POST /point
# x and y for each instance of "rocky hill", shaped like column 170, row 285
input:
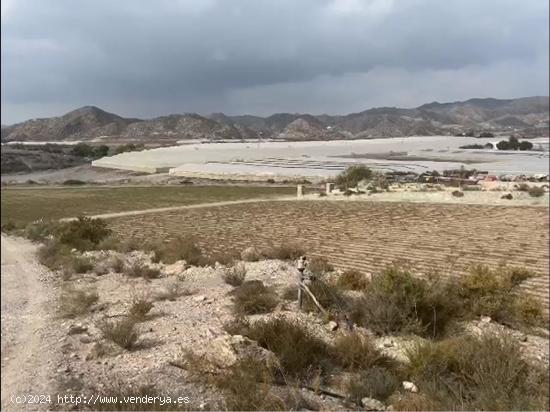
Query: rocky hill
column 525, row 116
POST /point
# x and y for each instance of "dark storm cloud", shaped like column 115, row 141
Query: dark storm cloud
column 144, row 58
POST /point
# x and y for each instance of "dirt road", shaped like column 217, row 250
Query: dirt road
column 28, row 336
column 175, row 208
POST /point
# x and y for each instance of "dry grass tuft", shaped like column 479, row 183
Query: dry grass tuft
column 235, row 275
column 121, row 331
column 252, row 297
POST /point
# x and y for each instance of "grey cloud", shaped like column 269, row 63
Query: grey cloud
column 139, row 57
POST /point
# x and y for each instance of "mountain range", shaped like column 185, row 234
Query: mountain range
column 527, row 116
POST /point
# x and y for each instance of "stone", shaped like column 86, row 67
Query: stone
column 224, row 351
column 86, row 339
column 332, row 325
column 371, row 404
column 409, row 386
column 77, row 328
column 199, row 298
column 486, row 319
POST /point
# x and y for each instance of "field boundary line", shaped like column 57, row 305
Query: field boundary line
column 182, row 207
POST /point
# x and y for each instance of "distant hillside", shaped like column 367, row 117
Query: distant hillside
column 527, row 116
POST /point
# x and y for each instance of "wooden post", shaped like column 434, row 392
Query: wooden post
column 300, row 289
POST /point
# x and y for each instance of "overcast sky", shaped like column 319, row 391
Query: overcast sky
column 144, row 58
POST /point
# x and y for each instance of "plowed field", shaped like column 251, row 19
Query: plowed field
column 445, row 238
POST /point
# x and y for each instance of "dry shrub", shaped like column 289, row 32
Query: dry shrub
column 76, row 301
column 290, row 293
column 235, row 275
column 284, row 251
column 81, row 264
column 138, row 270
column 248, row 385
column 41, row 230
column 179, row 248
column 415, row 402
column 172, row 291
column 253, row 297
column 490, row 292
column 141, row 305
column 117, row 264
column 250, row 254
column 352, row 280
column 478, row 373
column 536, row 191
column 458, row 193
column 397, row 302
column 319, row 265
column 355, row 352
column 121, row 331
column 329, row 298
column 226, row 259
column 54, row 255
column 300, row 353
column 523, row 187
column 376, row 382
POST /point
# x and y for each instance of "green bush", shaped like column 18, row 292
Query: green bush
column 73, row 182
column 84, row 233
column 478, row 373
column 352, row 176
column 252, row 297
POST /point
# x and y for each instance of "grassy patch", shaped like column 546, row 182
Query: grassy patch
column 26, row 205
